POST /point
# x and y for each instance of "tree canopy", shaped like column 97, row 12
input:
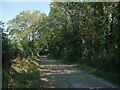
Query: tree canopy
column 80, row 32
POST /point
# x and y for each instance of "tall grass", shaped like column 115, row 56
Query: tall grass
column 23, row 73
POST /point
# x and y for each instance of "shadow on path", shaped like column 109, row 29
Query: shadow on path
column 57, row 75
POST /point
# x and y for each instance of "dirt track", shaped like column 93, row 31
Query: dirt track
column 57, row 75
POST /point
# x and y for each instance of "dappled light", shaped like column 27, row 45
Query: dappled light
column 57, row 69
column 23, row 74
column 54, row 73
column 44, row 79
column 76, row 45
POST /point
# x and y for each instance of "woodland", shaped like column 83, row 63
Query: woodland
column 78, row 32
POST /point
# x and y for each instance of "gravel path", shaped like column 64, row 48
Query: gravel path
column 57, row 75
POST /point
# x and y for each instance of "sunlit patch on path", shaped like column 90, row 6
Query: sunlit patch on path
column 57, row 75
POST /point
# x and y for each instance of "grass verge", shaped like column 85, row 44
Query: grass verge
column 113, row 77
column 23, row 73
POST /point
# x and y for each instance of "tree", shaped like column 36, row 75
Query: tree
column 25, row 28
column 85, row 32
column 6, row 47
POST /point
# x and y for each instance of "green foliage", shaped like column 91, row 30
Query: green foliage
column 85, row 33
column 22, row 74
column 26, row 29
column 6, row 47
